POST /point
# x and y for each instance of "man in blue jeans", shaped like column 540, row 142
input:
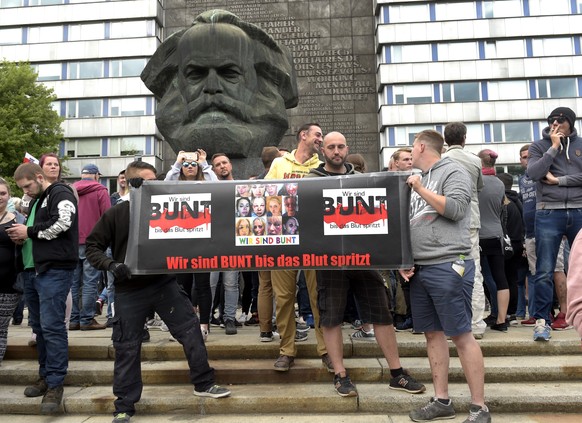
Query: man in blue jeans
column 49, row 252
column 555, row 163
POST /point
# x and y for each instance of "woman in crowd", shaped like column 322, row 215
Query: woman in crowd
column 194, row 167
column 191, row 167
column 9, row 297
column 491, row 203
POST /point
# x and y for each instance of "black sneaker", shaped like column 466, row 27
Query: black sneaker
column 300, row 336
column 98, row 308
column 344, row 386
column 406, row 383
column 266, row 336
column 215, row 322
column 230, row 327
column 51, row 402
column 501, row 327
column 214, row 391
column 326, row 361
column 37, row 390
column 253, row 321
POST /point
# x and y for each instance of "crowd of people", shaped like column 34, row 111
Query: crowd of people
column 476, row 244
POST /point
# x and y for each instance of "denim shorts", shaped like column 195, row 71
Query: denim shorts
column 441, row 299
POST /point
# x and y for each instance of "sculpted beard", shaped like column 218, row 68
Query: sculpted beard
column 246, row 128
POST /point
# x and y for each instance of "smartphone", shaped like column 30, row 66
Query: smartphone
column 192, row 156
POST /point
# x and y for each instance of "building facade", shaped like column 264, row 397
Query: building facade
column 498, row 66
column 91, row 54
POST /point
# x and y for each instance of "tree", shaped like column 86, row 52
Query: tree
column 28, row 123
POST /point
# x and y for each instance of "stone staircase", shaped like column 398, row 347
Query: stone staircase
column 522, row 376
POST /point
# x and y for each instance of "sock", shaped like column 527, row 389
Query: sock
column 396, row 372
column 444, row 401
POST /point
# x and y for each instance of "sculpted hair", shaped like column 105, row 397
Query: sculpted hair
column 455, row 133
column 397, row 153
column 28, row 171
column 433, row 139
column 305, row 127
column 136, row 166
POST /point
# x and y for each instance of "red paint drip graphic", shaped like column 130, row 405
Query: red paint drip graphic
column 184, row 221
column 362, row 217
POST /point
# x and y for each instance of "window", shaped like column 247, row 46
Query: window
column 44, row 2
column 127, row 146
column 502, row 9
column 84, row 108
column 128, row 106
column 10, row 3
column 411, row 53
column 508, row 90
column 129, row 29
column 553, row 47
column 49, row 71
column 475, row 133
column 83, row 70
column 512, row 132
column 413, row 94
column 502, row 49
column 11, row 36
column 81, row 32
column 458, row 51
column 455, row 11
column 87, row 147
column 550, row 8
column 409, row 13
column 557, row 88
column 127, row 67
column 461, row 91
column 406, row 135
column 45, row 34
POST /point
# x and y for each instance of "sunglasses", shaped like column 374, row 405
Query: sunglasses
column 188, row 164
column 560, row 119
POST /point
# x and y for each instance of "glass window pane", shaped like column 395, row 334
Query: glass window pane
column 502, row 9
column 458, row 51
column 508, row 90
column 129, row 29
column 131, row 146
column 447, row 95
column 475, row 133
column 553, row 46
column 128, row 106
column 89, row 108
column 543, row 88
column 89, row 147
column 45, row 34
column 505, row 49
column 416, row 94
column 497, row 132
column 11, row 36
column 91, row 69
column 412, row 53
column 49, row 71
column 563, row 87
column 455, row 11
column 127, row 67
column 409, row 13
column 467, row 91
column 10, row 3
column 86, row 32
column 518, row 131
column 546, row 7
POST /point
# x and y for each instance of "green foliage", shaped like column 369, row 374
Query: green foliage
column 28, row 123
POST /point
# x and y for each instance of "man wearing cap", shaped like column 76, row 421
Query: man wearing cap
column 555, row 163
column 93, row 203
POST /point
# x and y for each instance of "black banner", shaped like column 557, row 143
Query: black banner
column 341, row 222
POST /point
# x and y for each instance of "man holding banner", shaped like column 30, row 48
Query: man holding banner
column 369, row 289
column 441, row 282
column 295, row 164
column 135, row 298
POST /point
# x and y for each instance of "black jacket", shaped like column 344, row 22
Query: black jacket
column 112, row 230
column 55, row 231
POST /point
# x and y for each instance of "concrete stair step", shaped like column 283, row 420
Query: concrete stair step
column 304, row 398
column 560, row 368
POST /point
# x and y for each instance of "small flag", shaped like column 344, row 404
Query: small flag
column 29, row 158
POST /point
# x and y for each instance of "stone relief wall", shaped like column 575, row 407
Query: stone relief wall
column 332, row 42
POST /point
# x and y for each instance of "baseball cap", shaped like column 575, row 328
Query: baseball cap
column 90, row 169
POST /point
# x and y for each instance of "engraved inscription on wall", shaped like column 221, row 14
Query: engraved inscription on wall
column 332, row 42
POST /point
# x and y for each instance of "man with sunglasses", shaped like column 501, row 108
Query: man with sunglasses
column 555, row 163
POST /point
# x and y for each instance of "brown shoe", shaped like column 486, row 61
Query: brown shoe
column 94, row 325
column 37, row 390
column 74, row 326
column 283, row 363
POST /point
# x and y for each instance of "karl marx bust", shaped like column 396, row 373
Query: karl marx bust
column 223, row 85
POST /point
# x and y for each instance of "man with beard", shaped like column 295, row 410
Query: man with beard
column 50, row 254
column 223, row 84
column 368, row 286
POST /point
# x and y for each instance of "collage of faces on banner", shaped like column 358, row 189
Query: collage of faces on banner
column 265, row 210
